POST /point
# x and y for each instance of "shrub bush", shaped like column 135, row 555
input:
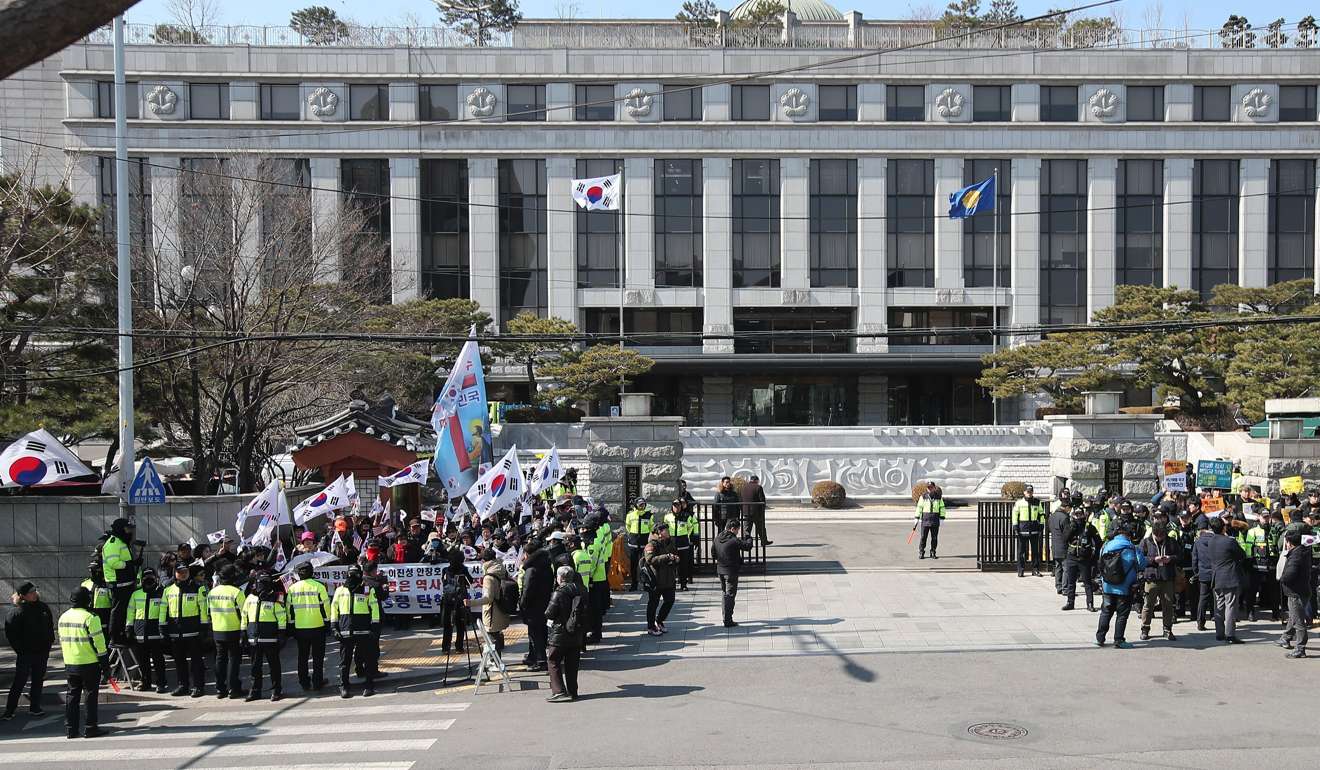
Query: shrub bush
column 828, row 494
column 1013, row 490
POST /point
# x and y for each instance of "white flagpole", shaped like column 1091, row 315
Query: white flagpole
column 623, row 271
column 994, row 303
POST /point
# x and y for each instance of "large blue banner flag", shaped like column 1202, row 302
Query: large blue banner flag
column 463, row 449
column 973, row 199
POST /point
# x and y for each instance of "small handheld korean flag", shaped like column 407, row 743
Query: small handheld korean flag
column 215, row 538
column 336, row 541
column 270, row 506
column 413, row 474
column 546, row 472
column 499, row 488
column 280, row 558
column 333, row 498
column 600, row 193
column 354, row 501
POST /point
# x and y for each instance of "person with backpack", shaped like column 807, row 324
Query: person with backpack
column 1120, row 563
column 499, row 597
column 566, row 613
column 1081, row 546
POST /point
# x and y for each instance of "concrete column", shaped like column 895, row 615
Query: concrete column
column 484, row 234
column 165, row 222
column 717, row 244
column 558, row 102
column 1253, row 222
column 405, row 229
column 1101, row 219
column 872, row 315
column 403, row 101
column 1178, row 102
column 1316, row 226
column 1024, row 243
column 948, row 232
column 325, row 218
column 715, row 102
column 1178, row 222
column 794, row 227
column 1026, row 104
column 638, row 222
column 244, row 101
column 717, row 400
column 873, row 399
column 247, row 276
column 561, row 251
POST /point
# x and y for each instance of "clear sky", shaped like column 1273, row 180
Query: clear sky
column 1201, row 14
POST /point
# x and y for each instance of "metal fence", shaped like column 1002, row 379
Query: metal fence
column 705, row 554
column 996, row 542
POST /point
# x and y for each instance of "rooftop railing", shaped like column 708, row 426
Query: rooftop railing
column 623, row 34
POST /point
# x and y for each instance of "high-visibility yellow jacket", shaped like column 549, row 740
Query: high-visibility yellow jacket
column 81, row 639
column 582, row 562
column 145, row 613
column 264, row 620
column 352, row 613
column 116, row 563
column 101, row 598
column 185, row 610
column 308, row 604
column 225, row 604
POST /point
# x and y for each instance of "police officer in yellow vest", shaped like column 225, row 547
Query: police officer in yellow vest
column 352, row 611
column 120, row 568
column 581, row 553
column 101, row 595
column 598, row 593
column 930, row 513
column 184, row 620
column 1028, row 524
column 683, row 527
column 263, row 621
column 82, row 642
column 637, row 527
column 225, row 604
column 146, row 610
column 309, row 608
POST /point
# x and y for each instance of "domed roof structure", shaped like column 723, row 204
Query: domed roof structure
column 806, row 10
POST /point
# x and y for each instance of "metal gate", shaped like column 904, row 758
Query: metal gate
column 705, row 554
column 996, row 543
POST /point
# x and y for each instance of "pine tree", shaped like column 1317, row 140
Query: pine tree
column 698, row 13
column 479, row 20
column 319, row 24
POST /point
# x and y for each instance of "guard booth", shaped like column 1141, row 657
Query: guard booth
column 996, row 542
column 754, row 560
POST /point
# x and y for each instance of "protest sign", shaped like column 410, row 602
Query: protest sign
column 414, row 589
column 1175, row 475
column 1292, row 485
column 1214, row 474
column 1212, row 505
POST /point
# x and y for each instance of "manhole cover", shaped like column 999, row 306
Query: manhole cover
column 997, row 730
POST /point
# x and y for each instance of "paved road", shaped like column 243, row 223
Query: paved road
column 899, row 661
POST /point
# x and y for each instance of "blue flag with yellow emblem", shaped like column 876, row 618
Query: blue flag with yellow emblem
column 972, row 200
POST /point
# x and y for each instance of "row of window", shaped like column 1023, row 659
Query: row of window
column 683, row 102
column 910, row 216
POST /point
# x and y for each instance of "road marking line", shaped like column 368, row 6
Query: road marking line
column 151, row 718
column 182, row 754
column 42, row 721
column 253, row 715
column 249, row 731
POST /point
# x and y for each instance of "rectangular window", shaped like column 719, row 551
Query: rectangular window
column 1211, row 103
column 208, row 101
column 772, row 330
column 678, row 211
column 206, row 224
column 1214, row 224
column 1139, row 255
column 751, row 103
column 1145, row 104
column 139, row 203
column 597, row 233
column 979, row 230
column 365, row 184
column 594, row 102
column 755, row 222
column 280, row 101
column 105, row 99
column 905, row 103
column 682, row 101
column 445, row 229
column 992, row 104
column 437, row 101
column 1297, row 104
column 286, row 222
column 524, row 103
column 910, row 223
column 836, row 103
column 368, row 101
column 522, row 203
column 795, row 399
column 1063, row 242
column 1058, row 104
column 669, row 327
column 1292, row 220
column 929, row 320
column 833, row 222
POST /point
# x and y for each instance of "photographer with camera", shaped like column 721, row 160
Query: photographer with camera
column 453, row 598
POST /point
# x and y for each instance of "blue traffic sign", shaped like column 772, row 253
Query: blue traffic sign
column 147, row 488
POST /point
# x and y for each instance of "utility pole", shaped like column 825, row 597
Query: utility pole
column 124, row 271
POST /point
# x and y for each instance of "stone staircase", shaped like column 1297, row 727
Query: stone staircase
column 1029, row 470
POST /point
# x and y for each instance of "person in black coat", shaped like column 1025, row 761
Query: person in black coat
column 30, row 629
column 727, row 503
column 729, row 546
column 1228, row 564
column 1059, row 525
column 566, row 635
column 1295, row 582
column 538, row 583
column 1205, row 572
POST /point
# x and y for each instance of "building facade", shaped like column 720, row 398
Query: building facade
column 778, row 233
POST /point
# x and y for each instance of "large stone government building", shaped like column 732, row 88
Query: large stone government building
column 754, row 208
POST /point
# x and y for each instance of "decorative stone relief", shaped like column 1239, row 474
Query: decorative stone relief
column 162, row 101
column 323, row 101
column 950, row 296
column 949, row 104
column 1104, row 103
column 795, row 102
column 638, row 103
column 794, row 297
column 1256, row 103
column 481, row 102
column 639, row 297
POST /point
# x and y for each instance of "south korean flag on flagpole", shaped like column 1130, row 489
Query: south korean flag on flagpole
column 354, row 501
column 546, row 473
column 601, row 193
column 499, row 488
column 38, row 459
column 270, row 505
column 413, row 474
column 281, row 558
